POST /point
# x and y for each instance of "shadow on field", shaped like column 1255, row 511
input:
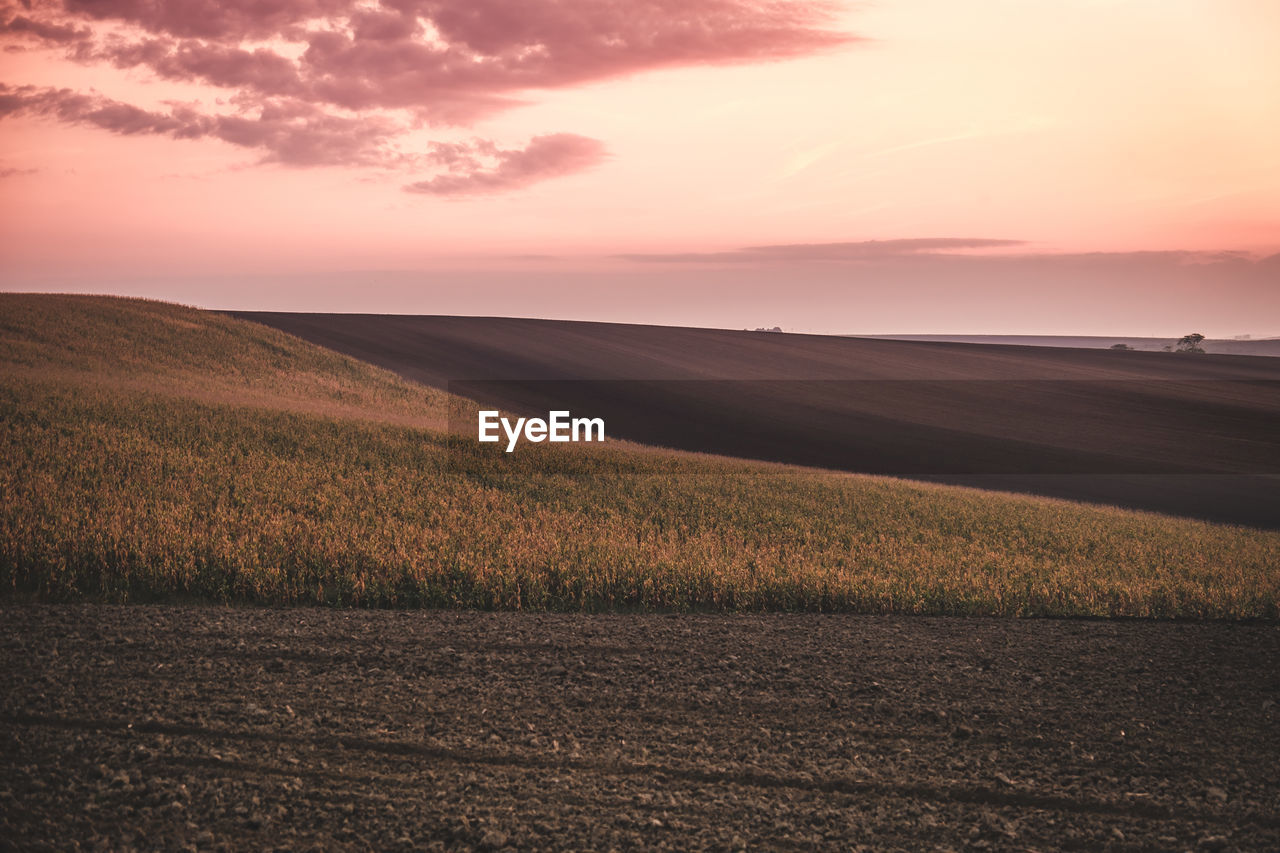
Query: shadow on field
column 1191, row 435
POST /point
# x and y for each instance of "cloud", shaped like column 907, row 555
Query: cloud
column 294, row 134
column 57, row 33
column 452, row 60
column 852, row 251
column 438, row 62
column 210, row 19
column 545, row 157
column 939, row 264
column 260, row 71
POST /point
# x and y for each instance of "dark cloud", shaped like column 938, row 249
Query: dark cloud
column 378, row 25
column 545, row 157
column 293, row 134
column 261, row 71
column 439, row 61
column 475, row 55
column 485, row 50
column 854, row 251
column 211, row 19
column 49, row 31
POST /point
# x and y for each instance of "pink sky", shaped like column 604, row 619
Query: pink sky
column 996, row 166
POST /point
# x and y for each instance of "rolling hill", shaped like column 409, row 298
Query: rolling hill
column 1191, row 435
column 154, row 452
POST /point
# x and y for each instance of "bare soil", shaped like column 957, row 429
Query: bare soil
column 243, row 729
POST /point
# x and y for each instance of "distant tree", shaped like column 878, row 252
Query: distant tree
column 1121, row 346
column 1191, row 343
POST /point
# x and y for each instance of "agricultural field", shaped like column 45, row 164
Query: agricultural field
column 217, row 728
column 1180, row 434
column 158, row 453
column 181, row 488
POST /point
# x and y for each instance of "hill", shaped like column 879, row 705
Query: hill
column 158, row 452
column 1190, row 435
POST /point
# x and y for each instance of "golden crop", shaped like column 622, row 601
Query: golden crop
column 154, row 452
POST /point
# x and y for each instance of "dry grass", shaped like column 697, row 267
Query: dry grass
column 154, row 452
column 133, row 345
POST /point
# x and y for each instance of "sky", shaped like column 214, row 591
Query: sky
column 904, row 166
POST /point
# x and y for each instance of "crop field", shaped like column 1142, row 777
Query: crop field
column 1191, row 436
column 150, row 452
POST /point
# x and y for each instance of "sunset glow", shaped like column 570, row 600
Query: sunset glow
column 1103, row 167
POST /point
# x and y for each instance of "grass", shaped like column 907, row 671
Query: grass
column 153, row 452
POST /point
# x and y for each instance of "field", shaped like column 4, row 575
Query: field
column 1184, row 435
column 158, row 453
column 301, row 729
column 159, row 462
